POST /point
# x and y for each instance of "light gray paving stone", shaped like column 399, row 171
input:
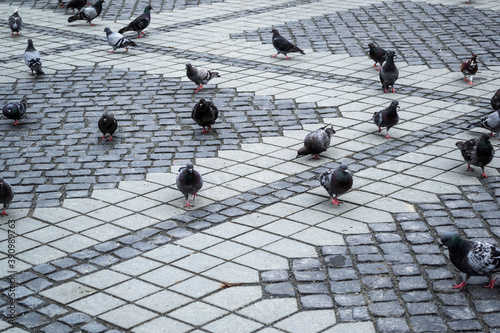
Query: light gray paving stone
column 233, row 273
column 313, row 321
column 262, row 260
column 199, row 241
column 103, row 279
column 68, row 292
column 136, row 266
column 196, row 287
column 133, row 289
column 168, row 253
column 270, row 310
column 198, row 262
column 127, row 316
column 163, row 325
column 352, row 327
column 96, row 304
column 228, row 250
column 235, row 297
column 197, row 314
column 232, row 323
column 163, row 301
column 166, row 276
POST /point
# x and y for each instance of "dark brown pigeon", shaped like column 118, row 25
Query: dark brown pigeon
column 107, row 125
column 6, row 195
column 15, row 22
column 336, row 182
column 478, row 152
column 15, row 110
column 472, row 258
column 387, row 117
column 199, row 75
column 76, row 4
column 189, row 182
column 377, row 54
column 317, row 142
column 495, row 100
column 389, row 73
column 88, row 13
column 283, row 46
column 205, row 113
column 140, row 23
column 469, row 68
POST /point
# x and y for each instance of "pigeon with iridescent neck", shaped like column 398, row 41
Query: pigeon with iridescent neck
column 317, row 142
column 189, row 182
column 140, row 23
column 336, row 182
column 469, row 68
column 377, row 54
column 15, row 22
column 478, row 152
column 6, row 195
column 389, row 73
column 387, row 117
column 199, row 75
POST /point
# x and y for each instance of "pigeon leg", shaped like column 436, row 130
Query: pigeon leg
column 484, row 175
column 387, row 135
column 315, row 157
column 4, row 213
column 274, row 56
column 491, row 284
column 287, row 57
column 394, row 91
column 379, row 68
column 379, row 129
column 491, row 134
column 209, row 128
column 465, row 79
column 110, row 138
column 187, row 204
column 374, row 65
column 459, row 286
column 385, row 90
column 199, row 88
column 139, row 34
column 204, row 131
column 469, row 168
column 16, row 122
column 470, row 81
column 194, row 196
column 126, row 49
column 336, row 201
column 113, row 50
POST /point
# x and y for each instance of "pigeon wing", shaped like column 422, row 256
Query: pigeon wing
column 484, row 258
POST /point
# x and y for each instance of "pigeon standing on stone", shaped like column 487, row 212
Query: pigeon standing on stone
column 387, row 117
column 495, row 100
column 189, row 182
column 140, row 23
column 317, row 142
column 491, row 122
column 199, row 75
column 469, row 68
column 6, row 195
column 389, row 73
column 205, row 113
column 107, row 125
column 478, row 152
column 377, row 54
column 88, row 13
column 76, row 4
column 472, row 258
column 336, row 182
column 32, row 59
column 117, row 40
column 15, row 110
column 283, row 46
column 15, row 22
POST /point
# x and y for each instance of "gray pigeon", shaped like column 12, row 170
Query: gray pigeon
column 88, row 13
column 387, row 117
column 317, row 142
column 6, row 195
column 283, row 46
column 189, row 182
column 76, row 4
column 472, row 258
column 495, row 100
column 140, row 23
column 389, row 73
column 336, row 182
column 15, row 22
column 478, row 152
column 205, row 113
column 491, row 122
column 32, row 59
column 199, row 75
column 15, row 110
column 107, row 125
column 117, row 40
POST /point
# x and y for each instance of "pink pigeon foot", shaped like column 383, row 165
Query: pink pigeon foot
column 469, row 168
column 274, row 56
column 315, row 157
column 335, row 201
column 199, row 88
column 4, row 213
column 379, row 130
column 187, row 204
column 204, row 131
column 385, row 90
column 110, row 138
column 484, row 174
column 470, row 83
column 387, row 136
column 15, row 123
column 491, row 284
column 394, row 91
column 459, row 286
column 287, row 57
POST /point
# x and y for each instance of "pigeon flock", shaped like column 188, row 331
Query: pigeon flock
column 472, row 258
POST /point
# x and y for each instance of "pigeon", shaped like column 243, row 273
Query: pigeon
column 478, row 152
column 88, row 13
column 469, row 68
column 389, row 73
column 76, row 4
column 32, row 59
column 336, row 182
column 15, row 110
column 205, row 113
column 199, row 75
column 15, row 22
column 495, row 100
column 387, row 117
column 491, row 122
column 283, row 46
column 472, row 258
column 189, row 182
column 140, row 23
column 6, row 195
column 317, row 142
column 107, row 125
column 377, row 54
column 117, row 40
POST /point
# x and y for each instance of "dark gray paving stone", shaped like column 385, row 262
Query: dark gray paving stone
column 32, row 302
column 85, row 254
column 349, row 300
column 459, row 312
column 465, row 325
column 93, row 327
column 127, row 253
column 107, row 246
column 8, row 312
column 422, row 308
column 25, row 276
column 280, row 289
column 377, row 282
column 306, row 264
column 428, row 324
column 56, row 327
column 21, row 292
column 417, row 296
column 316, row 302
column 85, row 268
column 64, row 262
column 104, row 260
column 386, row 309
column 277, row 275
column 44, row 268
column 38, row 284
column 312, row 288
column 345, row 287
column 395, row 325
column 32, row 320
column 309, row 276
column 382, row 295
column 74, row 319
column 53, row 310
column 62, row 275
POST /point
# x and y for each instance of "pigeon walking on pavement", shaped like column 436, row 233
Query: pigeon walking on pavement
column 469, row 68
column 387, row 117
column 491, row 122
column 199, row 75
column 15, row 22
column 283, row 46
column 389, row 73
column 495, row 100
column 117, row 40
column 107, row 125
column 32, row 59
column 76, row 4
column 472, row 258
column 88, row 13
column 6, row 195
column 478, row 152
column 189, row 182
column 205, row 113
column 15, row 110
column 377, row 54
column 140, row 23
column 317, row 142
column 336, row 182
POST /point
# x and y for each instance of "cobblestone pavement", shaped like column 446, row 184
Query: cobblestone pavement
column 103, row 243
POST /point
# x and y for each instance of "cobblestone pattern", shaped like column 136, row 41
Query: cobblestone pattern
column 432, row 34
